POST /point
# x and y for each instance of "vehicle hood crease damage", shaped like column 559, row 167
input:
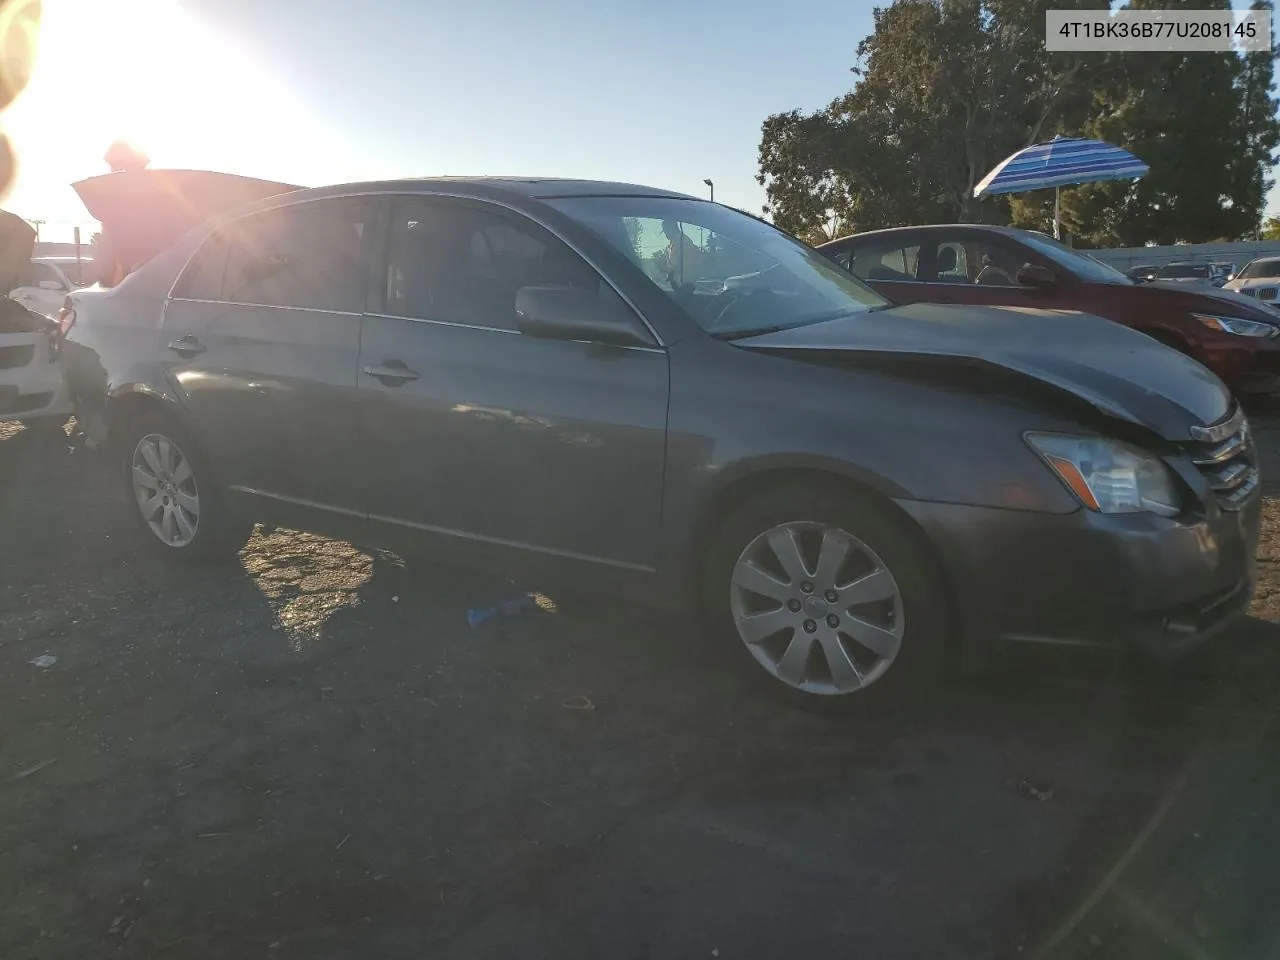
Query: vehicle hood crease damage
column 1118, row 372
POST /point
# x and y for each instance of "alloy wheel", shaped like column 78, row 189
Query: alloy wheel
column 817, row 608
column 165, row 488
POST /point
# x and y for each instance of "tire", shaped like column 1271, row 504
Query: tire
column 903, row 609
column 192, row 523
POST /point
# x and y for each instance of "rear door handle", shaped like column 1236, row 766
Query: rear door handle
column 187, row 346
column 392, row 373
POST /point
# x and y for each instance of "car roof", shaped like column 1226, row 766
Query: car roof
column 533, row 188
column 931, row 228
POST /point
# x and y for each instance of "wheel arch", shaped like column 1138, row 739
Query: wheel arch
column 869, row 488
column 128, row 403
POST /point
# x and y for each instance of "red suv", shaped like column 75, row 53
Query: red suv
column 1235, row 337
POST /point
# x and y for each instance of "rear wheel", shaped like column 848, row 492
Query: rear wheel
column 172, row 494
column 832, row 596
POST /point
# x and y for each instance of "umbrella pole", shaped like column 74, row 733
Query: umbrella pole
column 1057, row 214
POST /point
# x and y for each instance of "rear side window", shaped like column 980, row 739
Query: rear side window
column 465, row 265
column 886, row 260
column 310, row 256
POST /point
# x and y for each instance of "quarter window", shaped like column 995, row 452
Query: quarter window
column 463, row 264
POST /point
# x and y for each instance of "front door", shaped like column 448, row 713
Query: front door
column 264, row 336
column 482, row 435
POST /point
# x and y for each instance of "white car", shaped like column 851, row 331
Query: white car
column 33, row 385
column 46, row 281
column 1259, row 279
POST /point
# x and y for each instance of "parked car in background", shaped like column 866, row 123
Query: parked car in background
column 663, row 396
column 1227, row 271
column 1260, row 279
column 1000, row 266
column 1143, row 273
column 32, row 385
column 46, row 281
column 1185, row 271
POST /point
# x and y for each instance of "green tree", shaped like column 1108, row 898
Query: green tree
column 1206, row 125
column 1270, row 229
column 946, row 89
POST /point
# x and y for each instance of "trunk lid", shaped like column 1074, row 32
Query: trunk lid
column 144, row 211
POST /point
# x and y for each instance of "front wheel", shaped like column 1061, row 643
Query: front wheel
column 173, row 495
column 833, row 596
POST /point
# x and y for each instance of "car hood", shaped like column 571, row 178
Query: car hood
column 1252, row 282
column 17, row 242
column 1120, row 372
column 1222, row 301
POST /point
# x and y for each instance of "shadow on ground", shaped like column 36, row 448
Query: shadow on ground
column 311, row 754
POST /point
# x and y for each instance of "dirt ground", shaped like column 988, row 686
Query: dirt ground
column 312, row 755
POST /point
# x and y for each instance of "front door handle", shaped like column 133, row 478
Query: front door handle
column 187, row 347
column 392, row 373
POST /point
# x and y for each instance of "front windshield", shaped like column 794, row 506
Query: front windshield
column 1260, row 269
column 1183, row 271
column 1080, row 264
column 732, row 274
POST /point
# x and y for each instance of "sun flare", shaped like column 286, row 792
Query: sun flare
column 149, row 73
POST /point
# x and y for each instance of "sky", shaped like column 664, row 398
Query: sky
column 321, row 91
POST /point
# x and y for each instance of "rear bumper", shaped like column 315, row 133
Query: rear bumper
column 1084, row 579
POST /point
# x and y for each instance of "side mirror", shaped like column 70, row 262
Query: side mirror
column 1034, row 275
column 51, row 285
column 571, row 313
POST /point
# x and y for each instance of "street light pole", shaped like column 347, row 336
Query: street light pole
column 710, row 184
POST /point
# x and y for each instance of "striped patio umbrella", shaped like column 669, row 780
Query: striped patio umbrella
column 1061, row 162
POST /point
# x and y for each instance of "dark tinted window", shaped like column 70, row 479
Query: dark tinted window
column 310, row 255
column 1184, row 271
column 465, row 265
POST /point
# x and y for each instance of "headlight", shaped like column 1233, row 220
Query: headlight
column 1108, row 476
column 1237, row 325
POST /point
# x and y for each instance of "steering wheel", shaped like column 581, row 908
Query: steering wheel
column 733, row 301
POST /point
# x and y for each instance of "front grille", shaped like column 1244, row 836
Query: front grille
column 13, row 357
column 1266, row 293
column 1249, row 291
column 1225, row 454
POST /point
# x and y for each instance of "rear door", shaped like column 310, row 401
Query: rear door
column 264, row 335
column 487, row 437
column 895, row 265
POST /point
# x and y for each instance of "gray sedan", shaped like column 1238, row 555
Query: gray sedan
column 661, row 396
